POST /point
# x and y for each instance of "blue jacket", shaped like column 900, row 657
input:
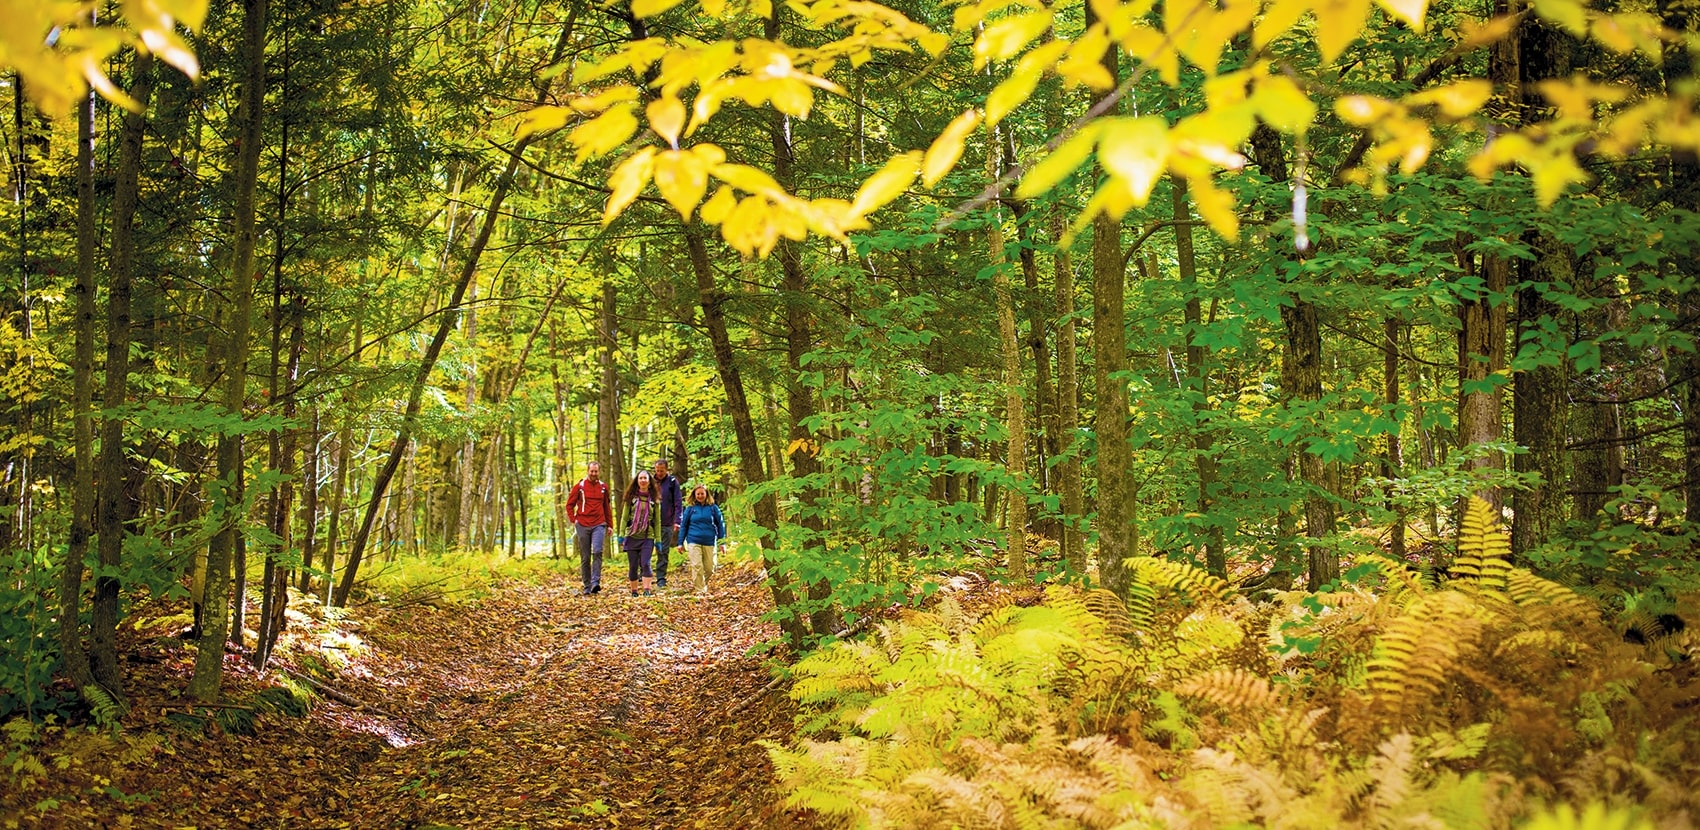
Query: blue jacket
column 702, row 524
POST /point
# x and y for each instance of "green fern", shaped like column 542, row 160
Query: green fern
column 106, row 710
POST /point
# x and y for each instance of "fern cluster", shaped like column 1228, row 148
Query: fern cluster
column 1496, row 699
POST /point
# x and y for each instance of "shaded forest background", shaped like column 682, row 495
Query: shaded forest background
column 342, row 298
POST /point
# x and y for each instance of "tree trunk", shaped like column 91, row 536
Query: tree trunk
column 112, row 503
column 1393, row 462
column 1116, row 512
column 743, row 426
column 608, row 446
column 1015, row 408
column 74, row 656
column 1073, row 542
column 1539, row 396
column 1198, row 384
column 226, row 543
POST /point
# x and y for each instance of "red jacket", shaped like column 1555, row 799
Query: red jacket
column 591, row 504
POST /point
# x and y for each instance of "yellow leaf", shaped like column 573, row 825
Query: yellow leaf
column 602, row 100
column 543, row 119
column 1612, row 35
column 1211, row 139
column 1410, row 11
column 1338, row 23
column 1277, row 18
column 749, row 227
column 1005, row 38
column 947, row 148
column 792, row 97
column 713, row 8
column 714, row 210
column 761, row 8
column 1153, row 47
column 1009, row 94
column 604, row 133
column 1477, row 35
column 887, row 184
column 1553, row 172
column 1280, row 102
column 650, row 8
column 748, row 179
column 1068, row 156
column 1570, row 15
column 1361, row 110
column 682, row 178
column 1414, row 145
column 1215, row 207
column 1134, row 151
column 1084, row 63
column 1456, row 100
column 627, row 181
column 667, row 118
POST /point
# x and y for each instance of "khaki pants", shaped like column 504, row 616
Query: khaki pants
column 702, row 564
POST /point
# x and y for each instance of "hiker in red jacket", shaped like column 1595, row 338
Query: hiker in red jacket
column 591, row 507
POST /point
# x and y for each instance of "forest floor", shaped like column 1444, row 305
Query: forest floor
column 530, row 707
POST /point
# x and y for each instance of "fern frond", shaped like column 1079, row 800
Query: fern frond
column 1414, row 657
column 1484, row 551
column 1545, row 601
column 1189, row 581
column 1117, row 616
column 1234, row 689
column 105, row 709
column 1540, row 640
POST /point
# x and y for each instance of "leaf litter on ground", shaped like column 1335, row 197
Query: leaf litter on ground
column 529, row 707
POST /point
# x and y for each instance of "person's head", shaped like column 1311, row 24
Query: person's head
column 699, row 495
column 640, row 485
column 660, row 468
column 593, row 471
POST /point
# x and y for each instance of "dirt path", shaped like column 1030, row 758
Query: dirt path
column 541, row 708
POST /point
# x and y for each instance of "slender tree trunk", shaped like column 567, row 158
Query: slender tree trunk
column 1068, row 404
column 227, row 544
column 1116, row 511
column 1015, row 408
column 1393, row 462
column 608, row 445
column 311, row 461
column 339, row 489
column 466, row 508
column 1198, row 384
column 1538, row 403
column 743, row 426
column 113, row 504
column 72, row 653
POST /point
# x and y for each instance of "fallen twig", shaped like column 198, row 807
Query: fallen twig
column 759, row 694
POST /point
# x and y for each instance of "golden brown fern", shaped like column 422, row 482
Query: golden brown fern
column 1416, row 654
column 1233, row 689
column 1484, row 551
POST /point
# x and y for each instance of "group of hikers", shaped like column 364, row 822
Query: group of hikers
column 654, row 521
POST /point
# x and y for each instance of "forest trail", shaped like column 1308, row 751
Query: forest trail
column 532, row 707
column 543, row 708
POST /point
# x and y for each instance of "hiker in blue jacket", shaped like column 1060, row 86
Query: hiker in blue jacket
column 702, row 529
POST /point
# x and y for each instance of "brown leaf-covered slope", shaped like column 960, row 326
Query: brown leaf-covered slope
column 534, row 707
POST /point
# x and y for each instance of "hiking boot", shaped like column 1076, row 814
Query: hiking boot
column 661, row 583
column 596, row 589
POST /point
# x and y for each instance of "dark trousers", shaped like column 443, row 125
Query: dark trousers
column 667, row 541
column 637, row 558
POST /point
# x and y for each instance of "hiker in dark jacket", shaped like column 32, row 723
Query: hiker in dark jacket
column 667, row 490
column 702, row 529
